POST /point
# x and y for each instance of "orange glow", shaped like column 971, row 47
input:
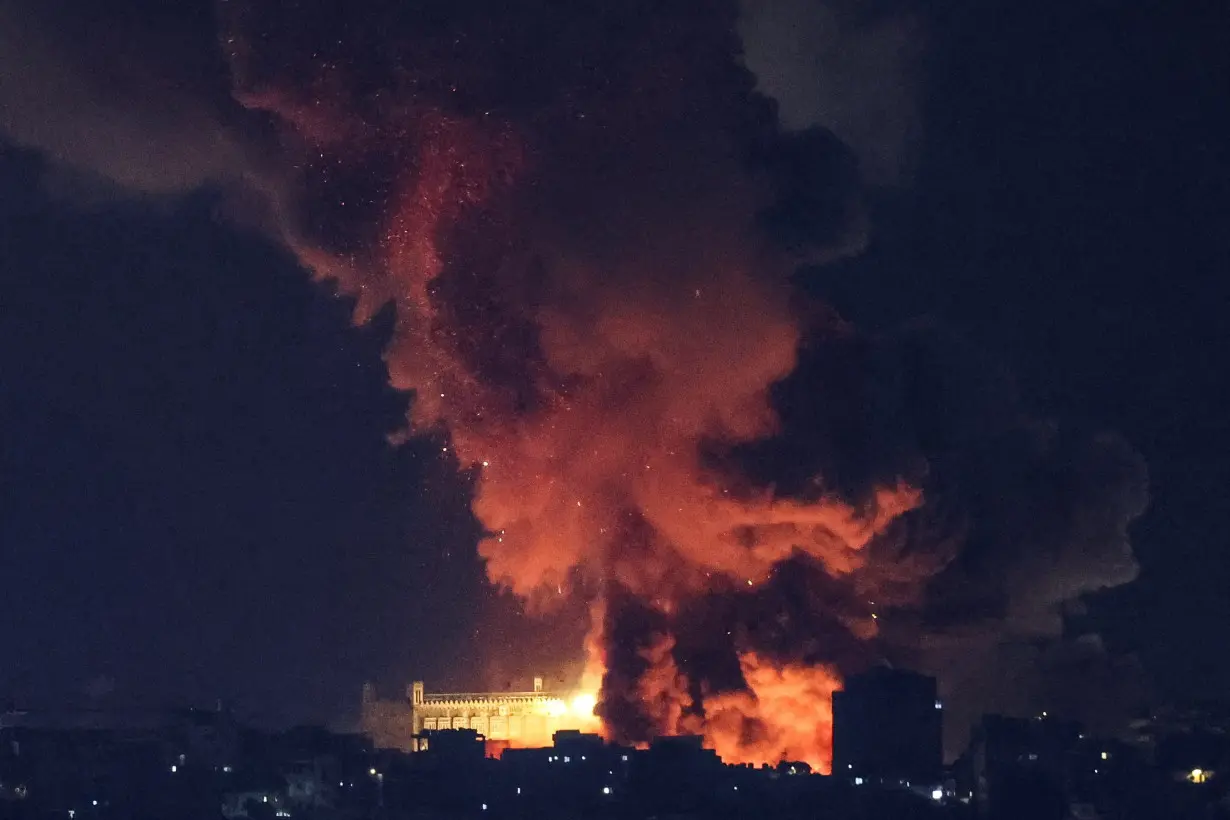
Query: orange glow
column 652, row 337
column 582, row 705
column 787, row 715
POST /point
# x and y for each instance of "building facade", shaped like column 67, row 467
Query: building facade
column 389, row 724
column 502, row 718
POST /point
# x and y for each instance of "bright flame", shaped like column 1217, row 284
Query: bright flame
column 576, row 712
column 583, row 705
column 787, row 715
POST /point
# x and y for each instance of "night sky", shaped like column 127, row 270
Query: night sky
column 198, row 499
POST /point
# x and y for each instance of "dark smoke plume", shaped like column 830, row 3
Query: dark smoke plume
column 585, row 220
column 587, row 224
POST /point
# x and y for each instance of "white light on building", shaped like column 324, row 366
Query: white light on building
column 484, row 806
column 937, row 794
column 174, row 768
column 858, row 781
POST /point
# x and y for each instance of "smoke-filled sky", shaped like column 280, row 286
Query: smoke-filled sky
column 870, row 344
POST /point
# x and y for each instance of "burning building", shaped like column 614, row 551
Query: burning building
column 504, row 719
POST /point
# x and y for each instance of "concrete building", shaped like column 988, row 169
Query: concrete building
column 502, row 718
column 888, row 728
column 388, row 723
column 1003, row 749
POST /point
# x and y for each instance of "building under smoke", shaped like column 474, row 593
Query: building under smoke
column 502, row 718
column 1007, row 751
column 887, row 727
column 589, row 257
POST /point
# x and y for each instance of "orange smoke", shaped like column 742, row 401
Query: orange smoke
column 584, row 315
column 786, row 714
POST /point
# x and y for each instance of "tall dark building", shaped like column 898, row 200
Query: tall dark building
column 1008, row 754
column 888, row 727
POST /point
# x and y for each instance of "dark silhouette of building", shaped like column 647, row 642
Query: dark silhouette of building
column 888, row 728
column 1006, row 752
column 452, row 747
